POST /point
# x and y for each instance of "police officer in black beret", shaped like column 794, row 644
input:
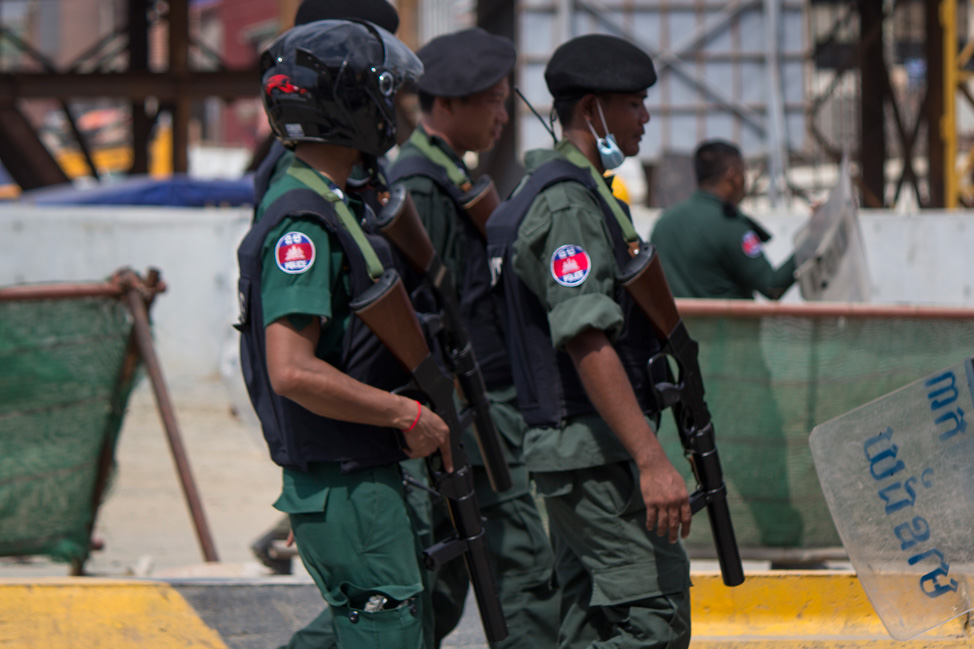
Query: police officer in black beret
column 463, row 98
column 616, row 505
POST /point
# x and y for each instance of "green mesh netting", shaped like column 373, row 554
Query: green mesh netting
column 770, row 380
column 61, row 402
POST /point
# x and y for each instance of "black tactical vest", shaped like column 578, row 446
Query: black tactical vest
column 479, row 306
column 548, row 386
column 295, row 435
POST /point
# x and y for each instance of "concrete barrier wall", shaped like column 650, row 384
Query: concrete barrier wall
column 195, row 250
column 918, row 258
column 913, row 258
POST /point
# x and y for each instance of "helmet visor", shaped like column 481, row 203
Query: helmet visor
column 399, row 61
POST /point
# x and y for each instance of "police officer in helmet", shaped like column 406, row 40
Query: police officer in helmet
column 319, row 380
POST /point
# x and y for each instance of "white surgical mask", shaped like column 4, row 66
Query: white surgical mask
column 610, row 154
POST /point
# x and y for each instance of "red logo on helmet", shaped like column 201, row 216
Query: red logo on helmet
column 283, row 83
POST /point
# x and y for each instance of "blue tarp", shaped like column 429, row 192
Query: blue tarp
column 177, row 190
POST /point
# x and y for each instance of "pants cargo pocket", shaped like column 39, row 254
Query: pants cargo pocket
column 392, row 628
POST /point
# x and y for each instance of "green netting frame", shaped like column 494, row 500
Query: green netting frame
column 769, row 380
column 63, row 391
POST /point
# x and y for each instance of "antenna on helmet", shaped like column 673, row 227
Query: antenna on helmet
column 536, row 114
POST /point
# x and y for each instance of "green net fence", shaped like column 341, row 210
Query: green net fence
column 771, row 378
column 63, row 390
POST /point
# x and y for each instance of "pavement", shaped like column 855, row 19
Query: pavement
column 149, row 587
column 147, row 534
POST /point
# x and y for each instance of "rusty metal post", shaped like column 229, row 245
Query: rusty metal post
column 936, row 36
column 181, row 105
column 137, row 304
column 872, row 101
column 138, row 33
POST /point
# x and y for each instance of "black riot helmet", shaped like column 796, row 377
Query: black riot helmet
column 335, row 81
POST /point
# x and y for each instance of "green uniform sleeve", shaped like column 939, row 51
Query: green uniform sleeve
column 747, row 264
column 566, row 224
column 305, row 286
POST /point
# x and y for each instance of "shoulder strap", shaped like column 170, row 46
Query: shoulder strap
column 454, row 172
column 313, row 180
column 602, row 188
column 559, row 170
column 420, row 165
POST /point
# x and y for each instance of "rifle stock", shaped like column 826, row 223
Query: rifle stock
column 480, row 201
column 644, row 280
column 399, row 222
column 385, row 308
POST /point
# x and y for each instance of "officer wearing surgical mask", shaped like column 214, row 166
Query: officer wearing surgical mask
column 617, row 507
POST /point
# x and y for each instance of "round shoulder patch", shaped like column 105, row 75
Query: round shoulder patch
column 570, row 265
column 294, row 253
column 751, row 244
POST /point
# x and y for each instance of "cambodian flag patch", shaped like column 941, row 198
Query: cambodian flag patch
column 570, row 265
column 294, row 252
column 751, row 244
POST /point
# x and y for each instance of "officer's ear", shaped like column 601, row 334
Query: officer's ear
column 445, row 104
column 587, row 108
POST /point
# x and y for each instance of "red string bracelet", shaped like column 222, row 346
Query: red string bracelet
column 419, row 411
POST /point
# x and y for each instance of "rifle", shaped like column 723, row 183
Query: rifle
column 386, row 310
column 643, row 278
column 480, row 201
column 400, row 223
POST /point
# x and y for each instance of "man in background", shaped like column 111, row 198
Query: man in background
column 708, row 247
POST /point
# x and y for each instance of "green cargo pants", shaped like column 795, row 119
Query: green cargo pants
column 363, row 553
column 623, row 587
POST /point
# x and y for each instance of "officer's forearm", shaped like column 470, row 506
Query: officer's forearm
column 608, row 388
column 779, row 279
column 296, row 374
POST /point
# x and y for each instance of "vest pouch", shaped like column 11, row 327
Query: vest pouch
column 480, row 202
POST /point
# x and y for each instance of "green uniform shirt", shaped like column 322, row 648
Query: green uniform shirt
column 566, row 214
column 442, row 220
column 708, row 252
column 320, row 289
column 436, row 209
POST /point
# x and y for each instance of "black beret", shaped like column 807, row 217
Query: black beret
column 464, row 63
column 597, row 63
column 379, row 12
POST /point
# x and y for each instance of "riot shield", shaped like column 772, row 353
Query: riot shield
column 898, row 476
column 830, row 257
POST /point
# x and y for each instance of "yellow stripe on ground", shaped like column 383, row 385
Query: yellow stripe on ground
column 800, row 610
column 92, row 613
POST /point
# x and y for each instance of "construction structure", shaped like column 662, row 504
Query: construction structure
column 794, row 82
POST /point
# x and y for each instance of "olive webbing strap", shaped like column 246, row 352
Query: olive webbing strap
column 421, row 141
column 312, row 179
column 578, row 159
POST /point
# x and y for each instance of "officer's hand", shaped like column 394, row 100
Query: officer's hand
column 667, row 500
column 429, row 433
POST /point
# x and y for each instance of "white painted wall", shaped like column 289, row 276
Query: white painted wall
column 194, row 250
column 913, row 258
